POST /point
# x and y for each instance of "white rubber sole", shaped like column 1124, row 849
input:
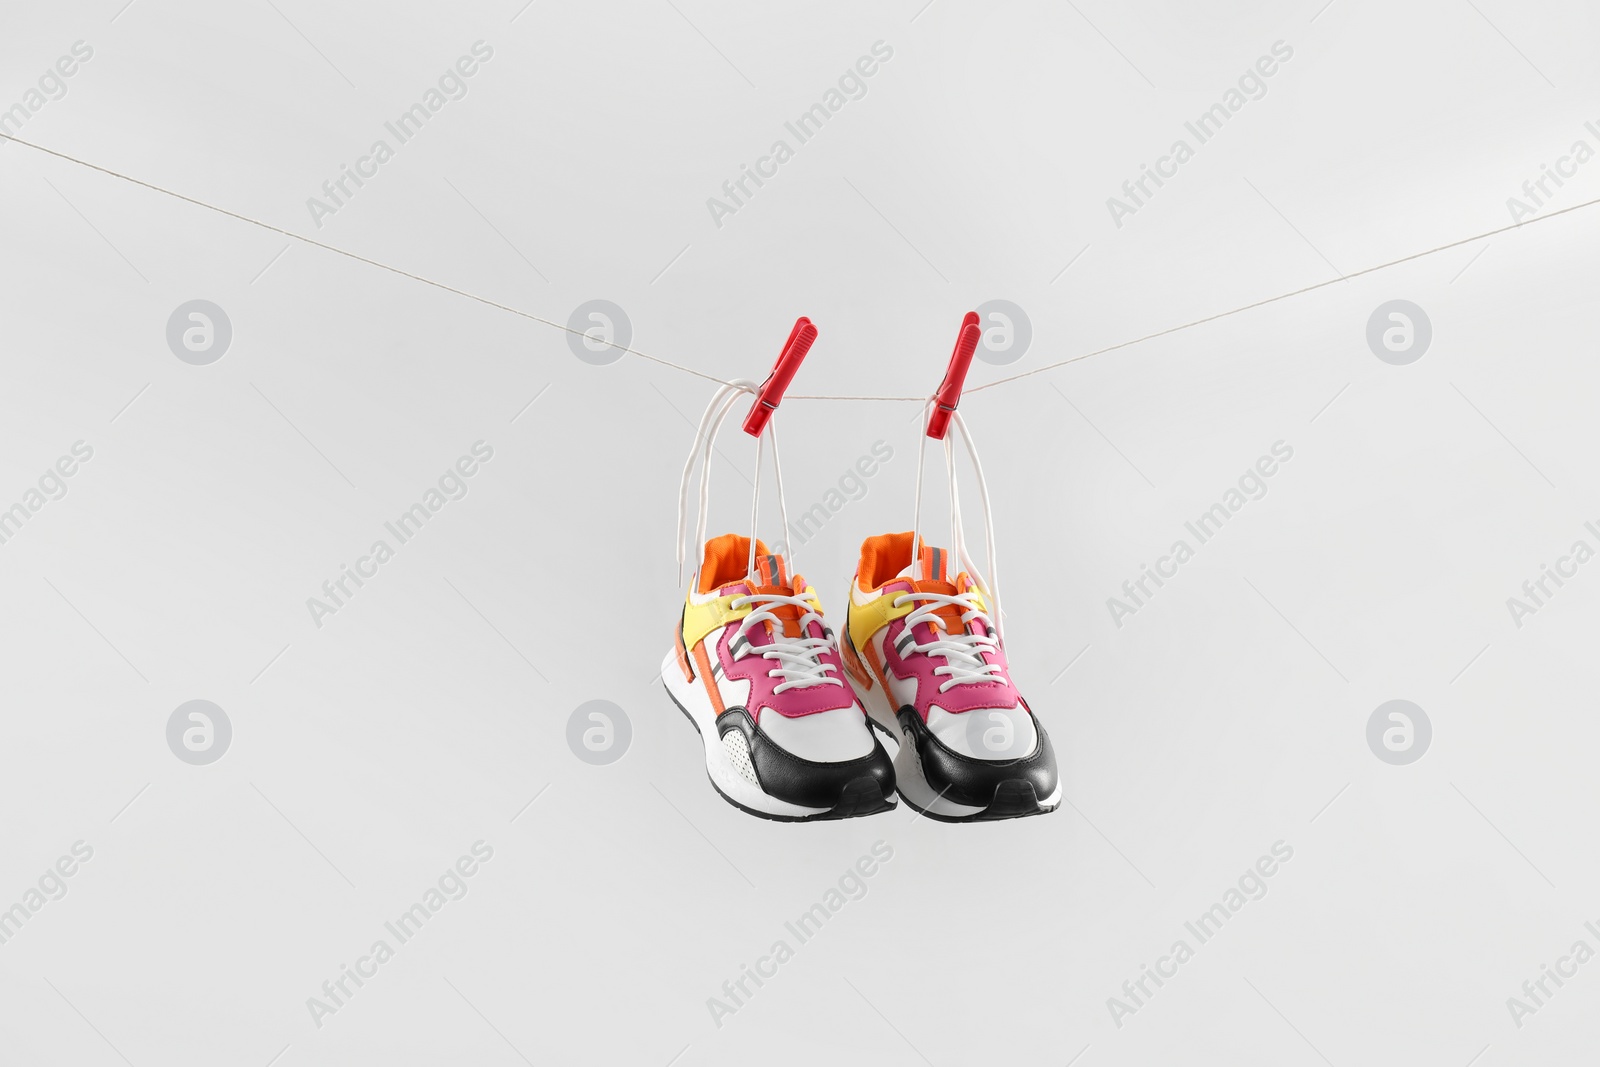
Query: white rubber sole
column 909, row 779
column 735, row 788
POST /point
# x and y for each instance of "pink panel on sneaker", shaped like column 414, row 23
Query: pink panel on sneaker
column 791, row 703
column 958, row 698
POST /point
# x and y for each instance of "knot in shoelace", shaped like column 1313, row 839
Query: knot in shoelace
column 962, row 653
column 799, row 660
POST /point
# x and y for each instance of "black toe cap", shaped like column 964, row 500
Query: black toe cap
column 978, row 782
column 810, row 784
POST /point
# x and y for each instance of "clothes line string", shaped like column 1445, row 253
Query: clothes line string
column 795, row 396
column 357, row 257
column 1285, row 296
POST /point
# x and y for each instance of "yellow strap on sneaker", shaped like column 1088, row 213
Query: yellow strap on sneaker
column 710, row 616
column 867, row 619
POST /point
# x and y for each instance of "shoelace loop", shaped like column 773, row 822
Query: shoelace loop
column 962, row 653
column 799, row 660
column 958, row 537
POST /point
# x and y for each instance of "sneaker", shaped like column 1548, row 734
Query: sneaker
column 932, row 672
column 753, row 666
column 757, row 671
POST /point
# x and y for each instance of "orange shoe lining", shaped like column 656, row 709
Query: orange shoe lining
column 886, row 555
column 727, row 560
column 882, row 557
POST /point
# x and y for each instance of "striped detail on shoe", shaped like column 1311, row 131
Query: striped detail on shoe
column 933, row 564
column 771, row 573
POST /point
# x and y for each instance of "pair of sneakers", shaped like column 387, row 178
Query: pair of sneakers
column 787, row 708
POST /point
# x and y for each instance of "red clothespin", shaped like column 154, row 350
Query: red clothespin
column 783, row 371
column 949, row 394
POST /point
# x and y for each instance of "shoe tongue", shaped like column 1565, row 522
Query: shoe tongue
column 930, row 573
column 771, row 575
column 931, row 570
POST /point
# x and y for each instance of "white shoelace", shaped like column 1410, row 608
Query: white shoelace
column 716, row 413
column 958, row 537
column 799, row 660
column 962, row 653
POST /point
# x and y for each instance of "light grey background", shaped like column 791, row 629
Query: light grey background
column 1230, row 713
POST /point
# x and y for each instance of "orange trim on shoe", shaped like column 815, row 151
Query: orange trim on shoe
column 704, row 661
column 683, row 656
column 852, row 663
column 877, row 669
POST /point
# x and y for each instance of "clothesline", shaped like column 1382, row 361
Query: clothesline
column 797, row 396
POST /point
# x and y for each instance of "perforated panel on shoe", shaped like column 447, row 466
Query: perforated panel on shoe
column 738, row 749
